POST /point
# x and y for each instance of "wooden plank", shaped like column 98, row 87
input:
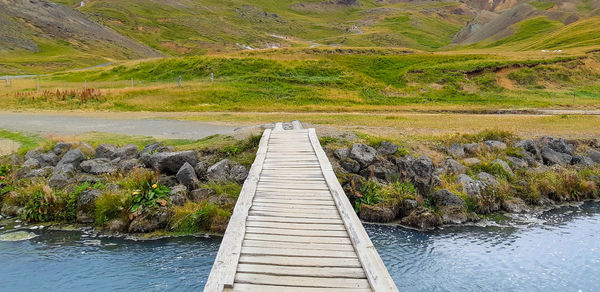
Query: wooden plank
column 271, row 288
column 304, row 245
column 278, row 127
column 296, row 232
column 294, row 215
column 293, row 252
column 297, row 125
column 302, row 261
column 294, row 206
column 324, row 212
column 336, row 227
column 325, row 272
column 294, row 220
column 377, row 274
column 224, row 266
column 300, row 281
column 298, row 239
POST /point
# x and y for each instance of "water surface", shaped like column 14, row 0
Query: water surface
column 558, row 250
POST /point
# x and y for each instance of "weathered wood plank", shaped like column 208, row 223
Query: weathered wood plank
column 304, row 245
column 294, row 215
column 324, row 272
column 336, row 227
column 297, row 232
column 270, row 288
column 376, row 272
column 294, row 252
column 300, row 281
column 294, row 220
column 299, row 239
column 301, row 261
column 304, row 207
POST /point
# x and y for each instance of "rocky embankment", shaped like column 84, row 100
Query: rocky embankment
column 469, row 181
column 103, row 187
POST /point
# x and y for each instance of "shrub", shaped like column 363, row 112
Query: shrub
column 149, row 195
column 399, row 191
column 194, row 217
column 112, row 205
column 5, row 180
column 136, row 177
column 369, row 194
column 39, row 206
column 241, row 146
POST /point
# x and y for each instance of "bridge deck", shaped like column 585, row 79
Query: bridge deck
column 293, row 228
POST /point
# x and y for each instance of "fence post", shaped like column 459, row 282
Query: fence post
column 573, row 98
column 179, row 81
column 212, row 77
column 554, row 101
column 6, row 77
column 38, row 83
column 85, row 85
column 131, row 82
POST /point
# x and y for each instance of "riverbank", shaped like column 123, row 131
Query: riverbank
column 191, row 188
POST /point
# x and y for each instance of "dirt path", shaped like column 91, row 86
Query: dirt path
column 118, row 123
column 8, row 147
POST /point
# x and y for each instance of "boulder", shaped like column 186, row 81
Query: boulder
column 529, row 146
column 86, row 149
column 453, row 167
column 379, row 213
column 559, row 145
column 149, row 220
column 33, row 154
column 406, row 206
column 187, row 177
column 582, row 161
column 168, row 180
column 350, row 165
column 387, row 148
column 453, row 214
column 444, row 197
column 341, row 153
column 472, row 161
column 493, row 145
column 98, row 166
column 487, row 180
column 552, row 157
column 469, row 186
column 48, row 159
column 61, row 148
column 223, row 201
column 32, row 163
column 129, row 151
column 178, row 195
column 106, row 151
column 594, row 155
column 45, row 171
column 73, row 157
column 363, row 154
column 422, row 218
column 472, row 148
column 171, row 162
column 128, row 165
column 503, row 165
column 201, row 168
column 456, row 150
column 116, row 226
column 381, row 169
column 515, row 205
column 198, row 195
column 88, row 179
column 517, row 162
column 419, row 171
column 86, row 205
column 226, row 170
column 155, row 148
column 62, row 175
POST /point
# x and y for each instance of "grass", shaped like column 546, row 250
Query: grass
column 542, row 5
column 27, row 142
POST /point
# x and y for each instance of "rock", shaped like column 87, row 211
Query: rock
column 201, row 194
column 422, row 218
column 86, row 205
column 187, row 177
column 350, row 165
column 552, row 157
column 116, row 226
column 594, row 155
column 453, row 167
column 419, row 170
column 493, row 145
column 33, row 154
column 201, row 168
column 73, row 157
column 381, row 169
column 456, row 150
column 88, row 179
column 151, row 219
column 168, row 180
column 515, row 205
column 222, row 201
column 98, row 166
column 559, row 145
column 155, row 148
column 406, row 206
column 128, row 151
column 62, row 175
column 129, row 164
column 178, row 195
column 469, row 186
column 15, row 159
column 171, row 162
column 487, row 179
column 49, row 159
column 472, row 161
column 86, row 149
column 529, row 146
column 341, row 153
column 61, row 148
column 32, row 163
column 517, row 162
column 377, row 213
column 503, row 165
column 42, row 172
column 226, row 170
column 582, row 160
column 106, row 151
column 17, row 236
column 387, row 148
column 444, row 197
column 453, row 214
column 363, row 154
column 11, row 211
column 472, row 148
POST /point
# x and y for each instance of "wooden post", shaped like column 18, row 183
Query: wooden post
column 131, row 82
column 212, row 77
column 6, row 77
column 38, row 83
column 573, row 97
column 179, row 81
column 554, row 101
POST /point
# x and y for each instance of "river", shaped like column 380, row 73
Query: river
column 558, row 250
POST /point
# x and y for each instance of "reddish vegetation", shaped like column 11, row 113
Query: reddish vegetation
column 84, row 95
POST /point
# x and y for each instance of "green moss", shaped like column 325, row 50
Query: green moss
column 231, row 189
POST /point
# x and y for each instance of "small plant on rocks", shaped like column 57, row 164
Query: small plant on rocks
column 149, row 195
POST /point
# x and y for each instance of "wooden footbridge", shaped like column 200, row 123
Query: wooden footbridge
column 293, row 229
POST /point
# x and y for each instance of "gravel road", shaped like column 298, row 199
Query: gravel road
column 70, row 124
